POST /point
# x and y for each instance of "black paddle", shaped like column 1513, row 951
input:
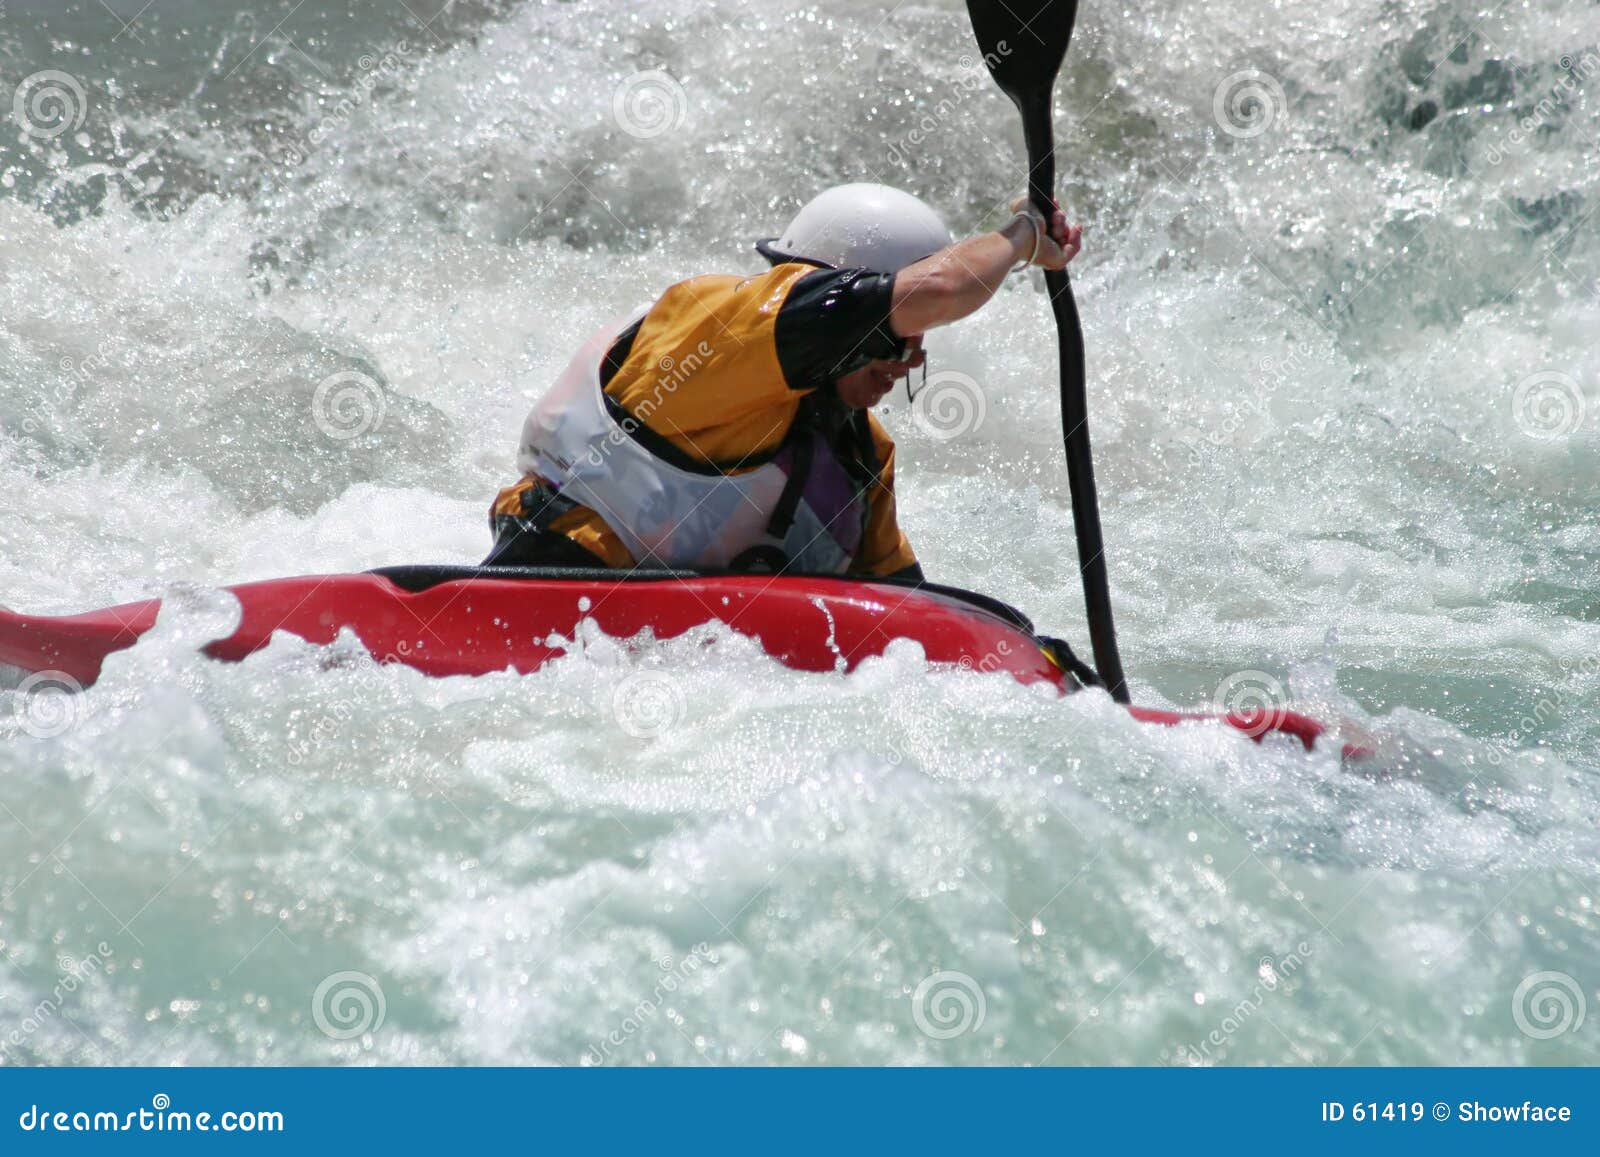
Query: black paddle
column 1023, row 44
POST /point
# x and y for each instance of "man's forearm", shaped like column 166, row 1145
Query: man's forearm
column 958, row 281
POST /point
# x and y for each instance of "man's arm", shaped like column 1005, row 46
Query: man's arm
column 959, row 281
column 884, row 548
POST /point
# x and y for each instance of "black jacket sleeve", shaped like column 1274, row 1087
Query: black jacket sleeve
column 831, row 321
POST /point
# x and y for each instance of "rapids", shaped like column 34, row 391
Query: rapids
column 277, row 285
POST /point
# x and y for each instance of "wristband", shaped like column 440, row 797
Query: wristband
column 1032, row 218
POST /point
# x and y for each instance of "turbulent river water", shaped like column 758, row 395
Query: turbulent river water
column 1341, row 258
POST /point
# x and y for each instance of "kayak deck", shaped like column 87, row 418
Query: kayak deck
column 445, row 620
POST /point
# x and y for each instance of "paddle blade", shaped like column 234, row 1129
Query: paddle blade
column 1023, row 43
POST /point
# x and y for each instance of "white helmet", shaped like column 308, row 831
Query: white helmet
column 862, row 226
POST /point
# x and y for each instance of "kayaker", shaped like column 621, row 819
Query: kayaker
column 726, row 425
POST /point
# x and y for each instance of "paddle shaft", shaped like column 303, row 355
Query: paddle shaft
column 1039, row 135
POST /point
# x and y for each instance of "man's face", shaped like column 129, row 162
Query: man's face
column 861, row 389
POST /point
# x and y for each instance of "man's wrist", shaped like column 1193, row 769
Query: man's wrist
column 1025, row 232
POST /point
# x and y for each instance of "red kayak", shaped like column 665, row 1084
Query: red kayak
column 445, row 620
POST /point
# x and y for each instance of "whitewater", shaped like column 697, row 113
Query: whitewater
column 278, row 284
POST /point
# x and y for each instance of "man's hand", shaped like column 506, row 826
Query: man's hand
column 1059, row 242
